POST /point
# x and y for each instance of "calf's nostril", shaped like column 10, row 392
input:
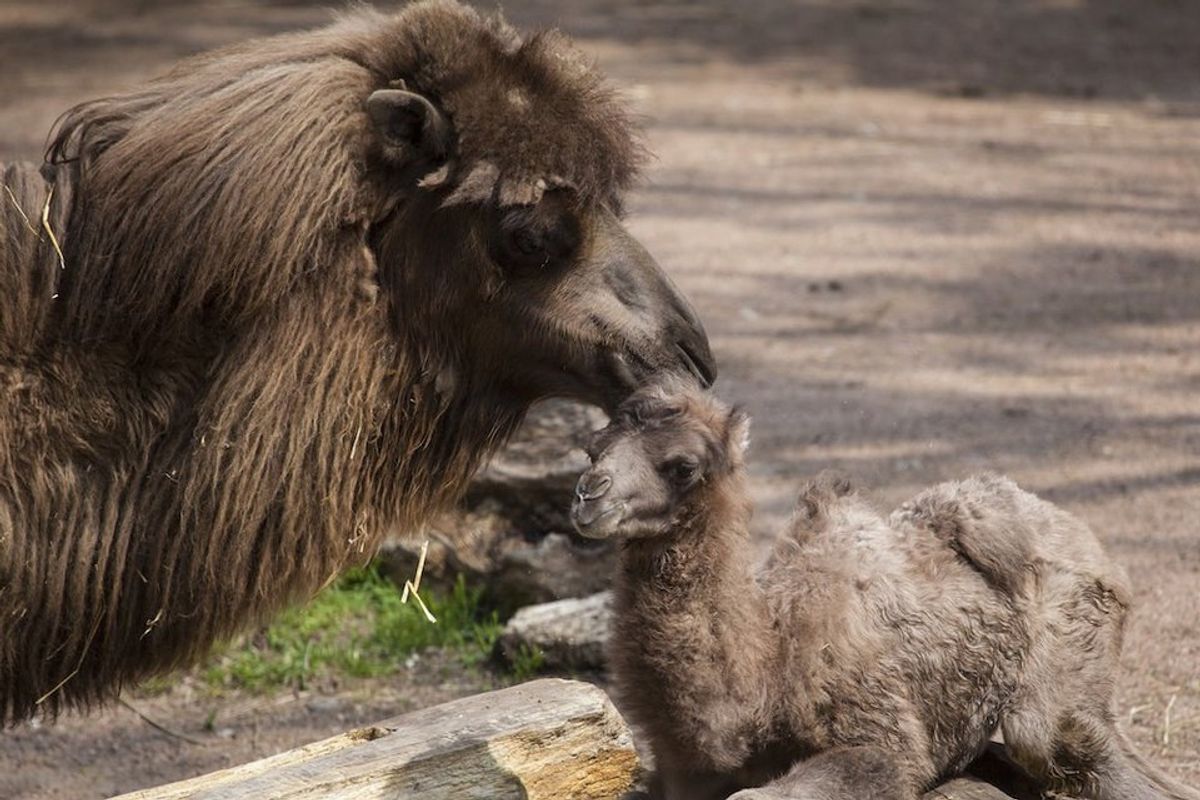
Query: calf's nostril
column 591, row 487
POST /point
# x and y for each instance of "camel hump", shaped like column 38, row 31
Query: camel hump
column 988, row 520
column 817, row 499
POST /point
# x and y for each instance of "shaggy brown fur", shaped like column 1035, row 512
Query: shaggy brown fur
column 309, row 282
column 870, row 658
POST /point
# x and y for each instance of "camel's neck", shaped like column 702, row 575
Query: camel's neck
column 706, row 559
column 205, row 495
column 692, row 640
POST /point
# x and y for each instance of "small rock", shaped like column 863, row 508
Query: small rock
column 556, row 567
column 570, row 634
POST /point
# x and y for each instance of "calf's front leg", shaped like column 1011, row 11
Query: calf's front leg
column 843, row 773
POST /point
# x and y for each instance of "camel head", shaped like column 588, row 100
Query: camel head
column 665, row 447
column 504, row 161
column 460, row 180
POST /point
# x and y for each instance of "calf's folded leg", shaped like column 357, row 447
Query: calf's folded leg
column 843, row 773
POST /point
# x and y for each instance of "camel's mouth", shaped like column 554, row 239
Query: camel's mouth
column 627, row 371
column 698, row 362
column 594, row 520
column 624, row 371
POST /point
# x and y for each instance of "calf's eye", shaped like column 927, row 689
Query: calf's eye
column 682, row 471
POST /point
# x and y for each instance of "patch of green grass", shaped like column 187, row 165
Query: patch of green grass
column 158, row 685
column 526, row 663
column 358, row 627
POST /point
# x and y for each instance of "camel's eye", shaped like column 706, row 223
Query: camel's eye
column 529, row 240
column 522, row 249
column 682, row 471
column 527, row 244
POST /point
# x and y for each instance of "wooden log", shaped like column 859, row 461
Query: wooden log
column 543, row 740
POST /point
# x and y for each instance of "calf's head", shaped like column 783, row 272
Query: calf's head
column 654, row 461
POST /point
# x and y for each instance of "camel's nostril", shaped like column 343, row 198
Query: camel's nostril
column 591, row 487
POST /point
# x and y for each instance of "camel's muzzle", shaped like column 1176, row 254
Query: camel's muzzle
column 593, row 515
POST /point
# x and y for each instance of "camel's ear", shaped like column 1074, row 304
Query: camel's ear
column 738, row 434
column 411, row 127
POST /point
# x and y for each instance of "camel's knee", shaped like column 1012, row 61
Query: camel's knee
column 1083, row 758
column 1030, row 737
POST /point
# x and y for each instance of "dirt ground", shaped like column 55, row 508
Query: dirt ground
column 928, row 237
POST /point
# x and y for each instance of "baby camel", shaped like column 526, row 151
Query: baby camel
column 870, row 657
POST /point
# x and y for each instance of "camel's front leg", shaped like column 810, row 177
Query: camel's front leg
column 844, row 773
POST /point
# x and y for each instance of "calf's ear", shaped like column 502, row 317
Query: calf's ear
column 411, row 127
column 737, row 435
